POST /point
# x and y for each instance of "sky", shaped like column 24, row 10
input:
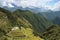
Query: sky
column 53, row 5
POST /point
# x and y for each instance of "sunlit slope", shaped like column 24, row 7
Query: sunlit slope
column 39, row 22
column 25, row 19
column 22, row 34
column 8, row 20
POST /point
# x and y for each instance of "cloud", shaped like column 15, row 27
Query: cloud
column 6, row 3
column 26, row 3
column 35, row 3
column 47, row 4
column 55, row 7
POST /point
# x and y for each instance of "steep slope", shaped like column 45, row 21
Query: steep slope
column 8, row 21
column 7, row 17
column 52, row 16
column 22, row 34
column 39, row 22
column 56, row 21
column 26, row 19
column 52, row 33
column 49, row 15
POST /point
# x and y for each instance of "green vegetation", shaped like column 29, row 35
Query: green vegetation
column 22, row 34
column 53, row 33
column 39, row 23
column 25, row 25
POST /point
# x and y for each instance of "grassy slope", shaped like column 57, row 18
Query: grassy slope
column 8, row 20
column 25, row 19
column 52, row 33
column 39, row 23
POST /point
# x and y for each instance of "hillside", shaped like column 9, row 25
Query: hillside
column 9, row 20
column 52, row 16
column 56, row 20
column 52, row 33
column 39, row 22
column 23, row 24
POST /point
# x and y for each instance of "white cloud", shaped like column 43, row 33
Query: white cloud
column 35, row 3
column 26, row 3
column 55, row 7
column 30, row 3
column 6, row 3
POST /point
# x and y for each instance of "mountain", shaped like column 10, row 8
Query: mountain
column 49, row 15
column 56, row 20
column 52, row 16
column 20, row 19
column 53, row 33
column 39, row 22
column 9, row 20
column 23, row 24
column 10, row 9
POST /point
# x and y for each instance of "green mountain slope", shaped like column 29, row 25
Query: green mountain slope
column 52, row 33
column 8, row 18
column 8, row 21
column 56, row 21
column 39, row 23
column 24, row 22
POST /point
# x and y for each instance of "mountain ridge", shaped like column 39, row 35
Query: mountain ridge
column 24, row 19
